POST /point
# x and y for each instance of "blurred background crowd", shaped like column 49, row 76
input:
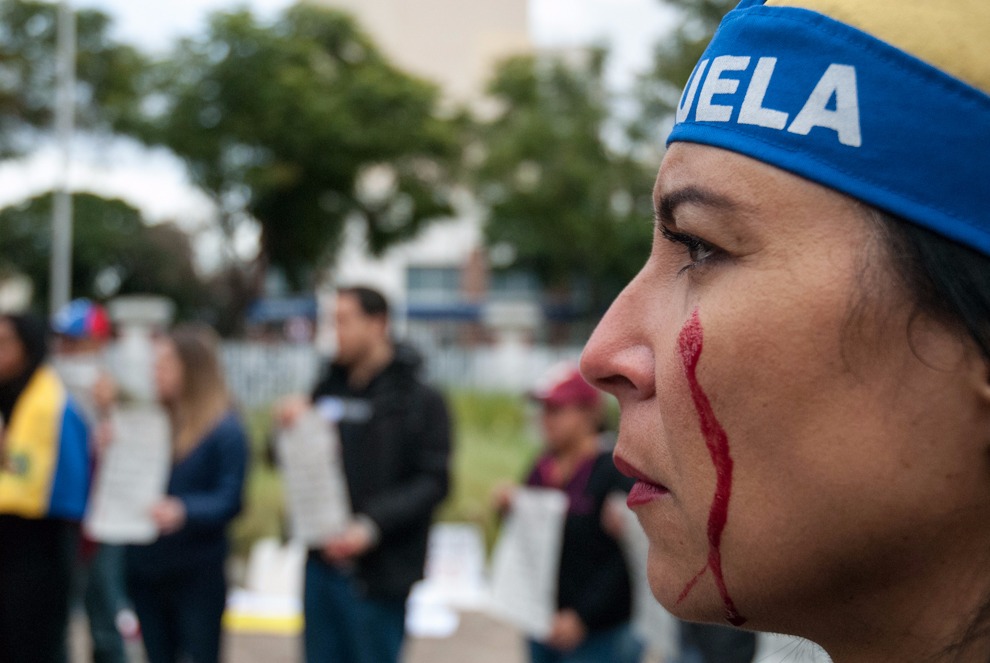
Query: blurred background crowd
column 497, row 191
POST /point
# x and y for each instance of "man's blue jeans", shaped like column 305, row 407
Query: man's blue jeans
column 342, row 625
column 615, row 645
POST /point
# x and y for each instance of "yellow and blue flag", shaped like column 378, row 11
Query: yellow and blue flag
column 45, row 467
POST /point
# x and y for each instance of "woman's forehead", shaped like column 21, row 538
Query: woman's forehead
column 732, row 179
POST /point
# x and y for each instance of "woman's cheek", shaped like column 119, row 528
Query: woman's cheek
column 693, row 455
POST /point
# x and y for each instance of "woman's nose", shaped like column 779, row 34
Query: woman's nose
column 618, row 358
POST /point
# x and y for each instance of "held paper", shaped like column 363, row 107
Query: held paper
column 315, row 485
column 132, row 477
column 526, row 561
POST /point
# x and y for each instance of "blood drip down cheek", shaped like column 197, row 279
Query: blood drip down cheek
column 690, row 343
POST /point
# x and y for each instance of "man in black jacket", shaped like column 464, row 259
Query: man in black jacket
column 395, row 445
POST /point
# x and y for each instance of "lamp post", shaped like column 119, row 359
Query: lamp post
column 61, row 258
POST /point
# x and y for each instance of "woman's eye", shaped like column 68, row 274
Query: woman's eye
column 698, row 249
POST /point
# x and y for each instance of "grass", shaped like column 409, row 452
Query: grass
column 264, row 504
column 493, row 443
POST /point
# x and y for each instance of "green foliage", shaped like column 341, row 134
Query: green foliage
column 106, row 72
column 282, row 124
column 565, row 201
column 264, row 503
column 114, row 251
column 495, row 444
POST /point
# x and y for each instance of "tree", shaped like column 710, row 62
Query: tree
column 298, row 127
column 107, row 72
column 567, row 204
column 114, row 252
column 674, row 58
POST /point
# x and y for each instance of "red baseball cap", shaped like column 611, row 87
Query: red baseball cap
column 563, row 385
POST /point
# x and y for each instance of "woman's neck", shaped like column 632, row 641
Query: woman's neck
column 934, row 610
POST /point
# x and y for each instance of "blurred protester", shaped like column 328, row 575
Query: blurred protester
column 177, row 583
column 395, row 442
column 594, row 597
column 82, row 329
column 44, row 483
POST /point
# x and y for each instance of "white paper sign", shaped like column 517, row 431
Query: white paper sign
column 313, row 475
column 132, row 477
column 526, row 561
column 455, row 565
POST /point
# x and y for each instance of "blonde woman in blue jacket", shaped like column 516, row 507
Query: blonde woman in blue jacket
column 177, row 583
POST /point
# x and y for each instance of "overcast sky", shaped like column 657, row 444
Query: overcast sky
column 630, row 26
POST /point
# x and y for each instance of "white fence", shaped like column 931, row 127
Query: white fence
column 259, row 373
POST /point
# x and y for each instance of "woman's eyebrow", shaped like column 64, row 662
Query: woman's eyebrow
column 668, row 203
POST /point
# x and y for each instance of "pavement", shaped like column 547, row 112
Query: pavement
column 478, row 639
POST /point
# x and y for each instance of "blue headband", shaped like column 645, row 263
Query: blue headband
column 818, row 98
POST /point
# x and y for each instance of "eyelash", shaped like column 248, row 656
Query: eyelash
column 698, row 249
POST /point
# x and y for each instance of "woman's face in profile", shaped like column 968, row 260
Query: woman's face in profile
column 13, row 356
column 168, row 371
column 802, row 440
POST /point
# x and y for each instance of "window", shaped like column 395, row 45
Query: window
column 514, row 285
column 434, row 285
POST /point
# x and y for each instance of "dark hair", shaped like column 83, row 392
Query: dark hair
column 948, row 281
column 32, row 333
column 371, row 301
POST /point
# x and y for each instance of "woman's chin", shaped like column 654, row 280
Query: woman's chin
column 669, row 584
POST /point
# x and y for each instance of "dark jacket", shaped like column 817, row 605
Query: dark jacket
column 395, row 445
column 209, row 481
column 593, row 580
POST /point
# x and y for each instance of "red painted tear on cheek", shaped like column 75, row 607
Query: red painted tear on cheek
column 689, row 344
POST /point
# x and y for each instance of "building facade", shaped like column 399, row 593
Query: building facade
column 455, row 43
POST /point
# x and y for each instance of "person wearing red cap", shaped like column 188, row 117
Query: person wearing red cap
column 82, row 330
column 594, row 597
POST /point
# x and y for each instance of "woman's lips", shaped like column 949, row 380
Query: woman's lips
column 644, row 493
column 644, row 490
